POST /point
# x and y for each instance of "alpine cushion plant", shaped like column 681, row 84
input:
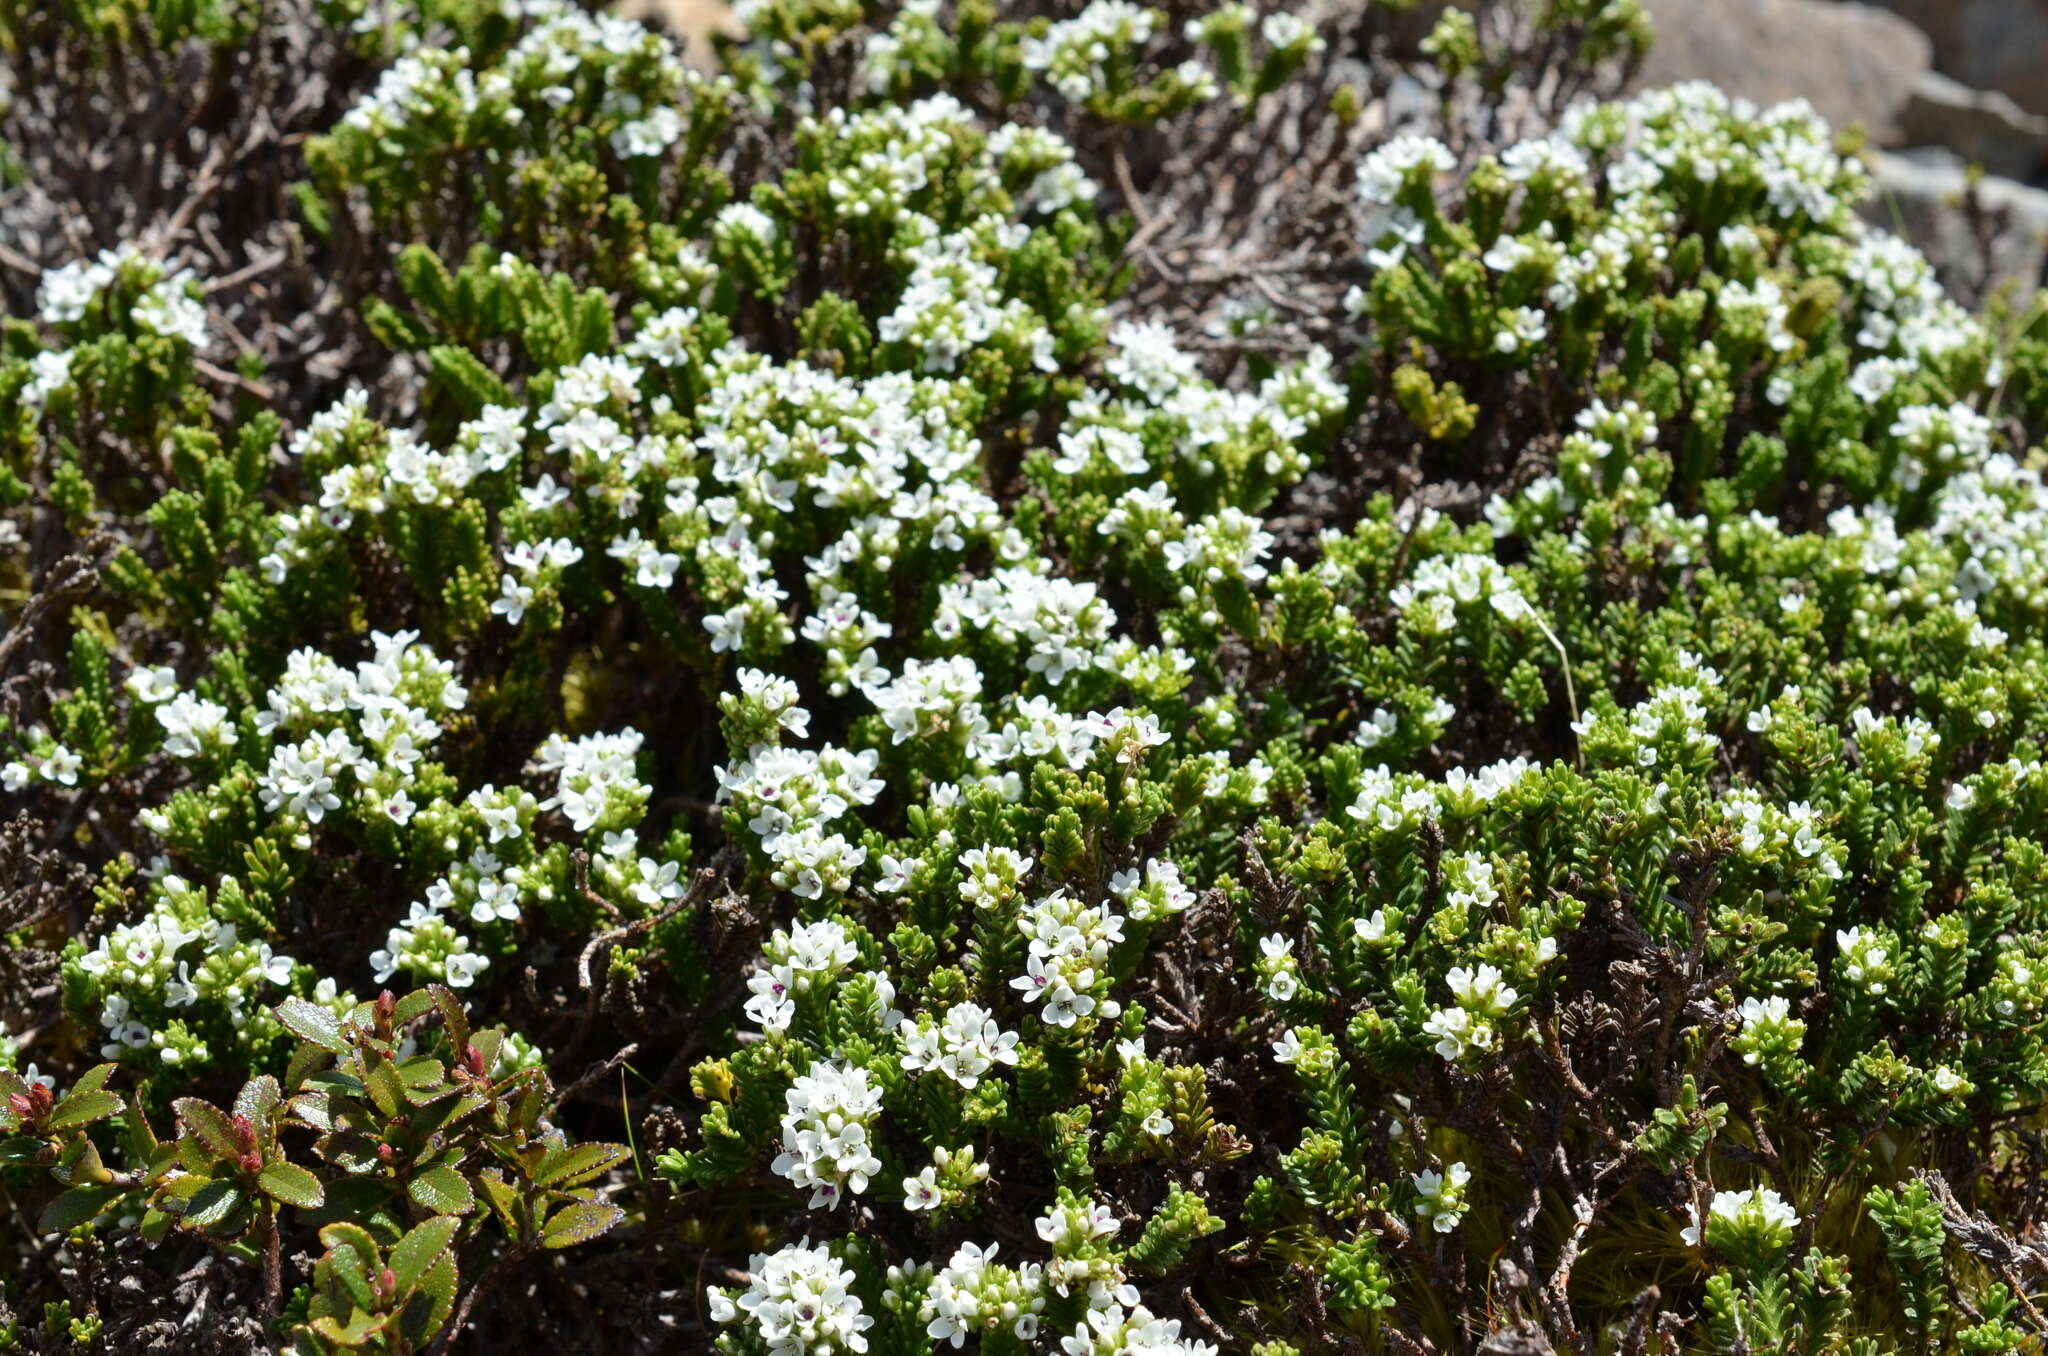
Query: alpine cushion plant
column 1018, row 678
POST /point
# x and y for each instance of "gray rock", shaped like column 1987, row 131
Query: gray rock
column 1981, row 125
column 1855, row 63
column 1988, row 44
column 1920, row 195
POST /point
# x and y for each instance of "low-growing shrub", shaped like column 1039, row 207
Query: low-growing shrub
column 1093, row 680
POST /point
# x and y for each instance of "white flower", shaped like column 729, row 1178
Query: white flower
column 463, row 967
column 798, row 1302
column 922, row 1191
column 1759, row 1212
column 964, row 1047
column 152, row 685
column 61, row 765
column 825, row 1133
column 1440, row 1197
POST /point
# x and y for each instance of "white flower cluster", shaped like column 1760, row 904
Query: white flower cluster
column 1440, row 1196
column 973, row 1294
column 787, row 797
column 1790, row 834
column 953, row 303
column 808, row 960
column 1482, row 1000
column 152, row 965
column 1066, row 971
column 1389, row 802
column 1759, row 1215
column 1079, row 55
column 1278, row 971
column 963, row 1046
column 597, row 787
column 1156, row 893
column 428, row 947
column 163, row 304
column 932, row 701
column 1119, row 1329
column 1060, row 624
column 617, row 59
column 47, row 761
column 1769, row 1030
column 990, row 876
column 799, row 1301
column 365, row 729
column 1441, row 585
column 825, row 1144
column 1867, row 960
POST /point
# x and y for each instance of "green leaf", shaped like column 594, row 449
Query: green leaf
column 579, row 1222
column 257, row 1099
column 382, row 1083
column 93, row 1079
column 313, row 1110
column 504, row 1200
column 214, row 1206
column 423, row 1079
column 311, row 1022
column 356, row 1335
column 292, row 1184
column 413, row 1006
column 76, row 1206
column 21, row 1151
column 142, row 1141
column 488, row 1043
column 80, row 1163
column 584, row 1161
column 442, row 1190
column 375, row 1205
column 437, row 1287
column 307, row 1059
column 342, row 1234
column 425, row 279
column 453, row 1018
column 209, row 1125
column 422, row 1248
column 83, row 1108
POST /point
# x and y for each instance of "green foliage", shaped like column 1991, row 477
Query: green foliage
column 1064, row 778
